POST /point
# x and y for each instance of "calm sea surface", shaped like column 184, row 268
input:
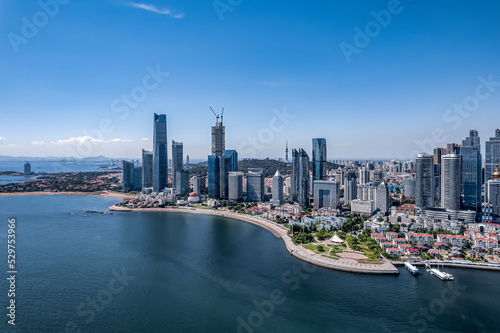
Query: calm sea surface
column 154, row 272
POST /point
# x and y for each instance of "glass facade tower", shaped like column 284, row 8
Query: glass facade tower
column 160, row 153
column 319, row 158
column 471, row 172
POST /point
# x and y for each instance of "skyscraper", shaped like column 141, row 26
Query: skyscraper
column 438, row 154
column 213, row 177
column 382, row 201
column 300, row 177
column 218, row 138
column 409, row 190
column 319, row 158
column 147, row 168
column 493, row 198
column 492, row 155
column 424, row 182
column 277, row 189
column 160, row 153
column 235, row 186
column 128, row 176
column 471, row 172
column 255, row 185
column 230, row 161
column 350, row 186
column 451, row 181
column 364, row 176
column 198, row 184
column 452, row 148
column 231, row 157
column 137, row 178
column 177, row 161
column 225, row 163
column 181, row 182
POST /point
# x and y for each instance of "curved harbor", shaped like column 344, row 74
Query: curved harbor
column 343, row 264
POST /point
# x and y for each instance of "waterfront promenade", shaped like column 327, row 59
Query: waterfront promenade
column 471, row 265
column 343, row 264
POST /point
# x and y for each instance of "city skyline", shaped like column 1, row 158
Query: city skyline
column 69, row 92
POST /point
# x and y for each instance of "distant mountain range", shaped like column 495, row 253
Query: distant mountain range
column 55, row 159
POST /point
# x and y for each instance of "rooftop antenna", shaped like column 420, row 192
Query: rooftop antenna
column 222, row 115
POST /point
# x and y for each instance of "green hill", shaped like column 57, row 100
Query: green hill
column 269, row 166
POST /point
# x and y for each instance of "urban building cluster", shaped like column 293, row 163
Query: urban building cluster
column 442, row 191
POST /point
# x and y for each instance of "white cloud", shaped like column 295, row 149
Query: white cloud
column 152, row 8
column 145, row 139
column 1, row 138
column 79, row 139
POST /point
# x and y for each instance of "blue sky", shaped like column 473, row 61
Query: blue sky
column 61, row 86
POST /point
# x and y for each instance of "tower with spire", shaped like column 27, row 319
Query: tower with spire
column 286, row 152
column 277, row 189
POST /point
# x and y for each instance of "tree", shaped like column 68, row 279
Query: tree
column 320, row 248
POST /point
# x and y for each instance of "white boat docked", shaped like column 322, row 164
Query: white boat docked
column 442, row 275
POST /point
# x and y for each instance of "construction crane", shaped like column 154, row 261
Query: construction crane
column 221, row 116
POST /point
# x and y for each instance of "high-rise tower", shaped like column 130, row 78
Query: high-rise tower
column 177, row 161
column 160, row 153
column 424, row 182
column 451, row 181
column 471, row 172
column 224, row 162
column 300, row 177
column 319, row 158
column 147, row 168
column 492, row 155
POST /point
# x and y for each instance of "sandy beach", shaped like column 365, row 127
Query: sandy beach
column 70, row 193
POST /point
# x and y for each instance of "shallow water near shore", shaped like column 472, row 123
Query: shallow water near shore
column 173, row 272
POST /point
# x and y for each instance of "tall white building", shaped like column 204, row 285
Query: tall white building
column 277, row 190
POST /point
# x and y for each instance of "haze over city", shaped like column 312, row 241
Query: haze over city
column 376, row 79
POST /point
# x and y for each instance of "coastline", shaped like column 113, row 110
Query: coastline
column 104, row 194
column 347, row 265
column 453, row 265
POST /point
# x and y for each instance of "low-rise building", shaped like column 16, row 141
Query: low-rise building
column 394, row 251
column 487, row 243
column 419, row 238
column 453, row 239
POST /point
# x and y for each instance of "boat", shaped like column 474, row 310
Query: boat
column 442, row 275
column 412, row 269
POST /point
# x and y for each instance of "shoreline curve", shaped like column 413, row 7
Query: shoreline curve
column 346, row 265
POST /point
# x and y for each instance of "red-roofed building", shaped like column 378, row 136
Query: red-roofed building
column 419, row 238
column 391, row 235
column 404, row 247
column 413, row 251
column 397, row 241
column 487, row 243
column 393, row 251
column 385, row 245
column 453, row 239
column 406, row 209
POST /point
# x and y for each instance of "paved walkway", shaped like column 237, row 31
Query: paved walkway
column 343, row 264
